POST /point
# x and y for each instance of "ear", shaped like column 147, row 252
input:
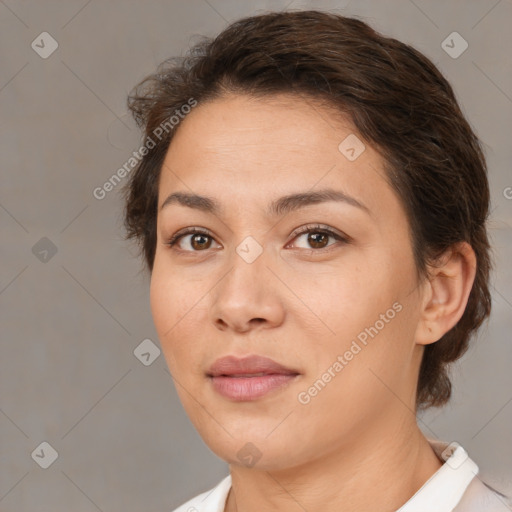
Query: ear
column 446, row 293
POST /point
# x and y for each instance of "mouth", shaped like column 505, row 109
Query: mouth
column 250, row 366
column 249, row 378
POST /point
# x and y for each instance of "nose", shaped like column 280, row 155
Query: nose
column 247, row 297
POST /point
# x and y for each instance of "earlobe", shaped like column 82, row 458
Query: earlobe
column 446, row 293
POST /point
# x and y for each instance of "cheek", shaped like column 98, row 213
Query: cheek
column 172, row 296
column 355, row 293
column 368, row 304
column 163, row 304
column 172, row 307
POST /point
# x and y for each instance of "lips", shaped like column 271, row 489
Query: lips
column 250, row 366
column 250, row 378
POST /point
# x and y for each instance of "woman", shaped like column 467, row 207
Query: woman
column 311, row 205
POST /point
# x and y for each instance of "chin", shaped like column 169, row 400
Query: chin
column 253, row 447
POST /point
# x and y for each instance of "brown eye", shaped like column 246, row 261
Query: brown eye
column 199, row 240
column 318, row 240
column 318, row 237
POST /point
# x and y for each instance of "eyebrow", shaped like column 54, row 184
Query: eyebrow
column 280, row 206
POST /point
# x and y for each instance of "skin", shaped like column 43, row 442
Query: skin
column 356, row 445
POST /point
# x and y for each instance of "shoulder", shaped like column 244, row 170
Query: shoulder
column 212, row 500
column 481, row 497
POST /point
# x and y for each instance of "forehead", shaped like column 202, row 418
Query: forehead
column 250, row 149
column 285, row 121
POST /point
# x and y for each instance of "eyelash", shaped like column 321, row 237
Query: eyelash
column 316, row 228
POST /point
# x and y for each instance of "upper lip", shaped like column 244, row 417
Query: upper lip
column 232, row 365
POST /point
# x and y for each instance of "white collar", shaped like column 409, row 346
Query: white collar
column 449, row 482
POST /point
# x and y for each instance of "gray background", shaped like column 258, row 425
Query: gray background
column 72, row 320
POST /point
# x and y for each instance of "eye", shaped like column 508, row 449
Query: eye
column 201, row 239
column 318, row 236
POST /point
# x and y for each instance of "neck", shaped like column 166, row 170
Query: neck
column 378, row 471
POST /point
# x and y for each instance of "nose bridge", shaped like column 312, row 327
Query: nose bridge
column 248, row 268
column 246, row 291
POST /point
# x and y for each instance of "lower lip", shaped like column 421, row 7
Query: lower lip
column 249, row 388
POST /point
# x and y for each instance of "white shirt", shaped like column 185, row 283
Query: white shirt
column 454, row 487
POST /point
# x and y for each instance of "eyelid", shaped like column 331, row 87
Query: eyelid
column 320, row 228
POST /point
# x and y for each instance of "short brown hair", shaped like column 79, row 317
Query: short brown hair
column 398, row 101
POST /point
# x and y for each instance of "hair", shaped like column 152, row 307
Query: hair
column 397, row 100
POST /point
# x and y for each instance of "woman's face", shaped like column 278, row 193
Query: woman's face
column 341, row 310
